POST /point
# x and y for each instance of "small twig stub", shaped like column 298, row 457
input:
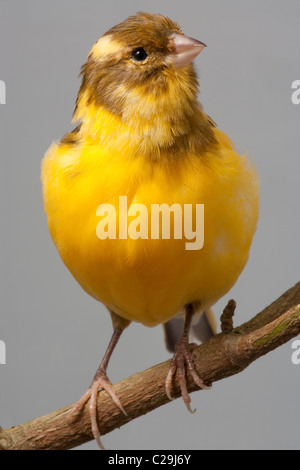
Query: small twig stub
column 227, row 317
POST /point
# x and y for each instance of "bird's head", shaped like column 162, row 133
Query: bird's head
column 141, row 71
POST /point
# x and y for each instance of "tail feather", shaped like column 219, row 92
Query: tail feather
column 173, row 331
column 203, row 329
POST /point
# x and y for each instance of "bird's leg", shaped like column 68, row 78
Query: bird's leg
column 101, row 381
column 183, row 360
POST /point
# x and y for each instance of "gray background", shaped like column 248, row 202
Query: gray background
column 54, row 332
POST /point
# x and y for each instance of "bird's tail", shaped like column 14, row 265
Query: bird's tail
column 202, row 329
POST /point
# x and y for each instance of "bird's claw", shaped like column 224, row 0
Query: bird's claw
column 181, row 361
column 100, row 382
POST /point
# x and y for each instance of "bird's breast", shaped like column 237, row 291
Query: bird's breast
column 146, row 237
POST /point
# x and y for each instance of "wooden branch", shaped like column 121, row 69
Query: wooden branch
column 222, row 356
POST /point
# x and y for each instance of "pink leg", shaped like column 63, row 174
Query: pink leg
column 100, row 380
column 181, row 361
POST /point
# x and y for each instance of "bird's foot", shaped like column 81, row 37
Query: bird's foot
column 100, row 381
column 181, row 361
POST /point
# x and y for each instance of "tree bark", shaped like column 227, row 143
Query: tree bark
column 223, row 355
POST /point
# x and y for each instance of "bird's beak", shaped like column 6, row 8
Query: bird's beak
column 184, row 49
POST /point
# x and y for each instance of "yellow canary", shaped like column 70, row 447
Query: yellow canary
column 143, row 139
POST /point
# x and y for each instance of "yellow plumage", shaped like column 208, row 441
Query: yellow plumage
column 143, row 134
column 149, row 281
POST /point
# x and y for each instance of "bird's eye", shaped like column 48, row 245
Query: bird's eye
column 139, row 54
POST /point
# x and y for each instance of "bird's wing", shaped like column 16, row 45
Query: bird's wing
column 71, row 137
